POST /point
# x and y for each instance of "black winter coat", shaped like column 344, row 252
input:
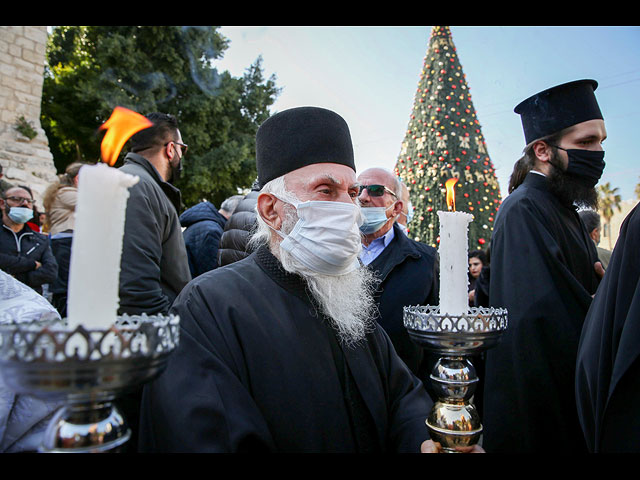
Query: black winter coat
column 19, row 253
column 233, row 244
column 154, row 266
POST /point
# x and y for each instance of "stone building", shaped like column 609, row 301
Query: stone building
column 24, row 160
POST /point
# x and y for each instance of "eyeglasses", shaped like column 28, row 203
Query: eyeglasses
column 375, row 190
column 184, row 147
column 21, row 200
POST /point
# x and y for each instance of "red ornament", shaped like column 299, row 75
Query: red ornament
column 481, row 241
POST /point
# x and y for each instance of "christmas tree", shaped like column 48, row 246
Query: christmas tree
column 444, row 141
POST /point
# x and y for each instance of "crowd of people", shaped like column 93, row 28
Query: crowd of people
column 291, row 297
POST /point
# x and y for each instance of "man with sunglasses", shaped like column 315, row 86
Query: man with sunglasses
column 25, row 254
column 407, row 270
column 154, row 265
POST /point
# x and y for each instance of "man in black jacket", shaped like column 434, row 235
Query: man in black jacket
column 25, row 254
column 407, row 270
column 154, row 266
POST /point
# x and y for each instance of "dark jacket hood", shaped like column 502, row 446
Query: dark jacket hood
column 200, row 212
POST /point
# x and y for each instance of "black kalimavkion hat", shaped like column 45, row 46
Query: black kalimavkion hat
column 557, row 108
column 301, row 136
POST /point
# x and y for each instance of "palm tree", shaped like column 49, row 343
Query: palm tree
column 609, row 200
column 638, row 190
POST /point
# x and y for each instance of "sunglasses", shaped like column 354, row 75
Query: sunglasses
column 375, row 190
column 184, row 147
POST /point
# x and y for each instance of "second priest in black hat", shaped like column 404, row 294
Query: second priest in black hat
column 276, row 355
column 544, row 271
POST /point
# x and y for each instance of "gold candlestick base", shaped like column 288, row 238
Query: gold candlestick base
column 454, row 420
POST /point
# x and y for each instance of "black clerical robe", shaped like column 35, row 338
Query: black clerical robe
column 258, row 370
column 542, row 272
column 608, row 365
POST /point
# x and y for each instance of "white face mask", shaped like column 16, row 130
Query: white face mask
column 326, row 238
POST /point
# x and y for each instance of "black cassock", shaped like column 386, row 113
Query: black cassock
column 608, row 366
column 259, row 370
column 542, row 272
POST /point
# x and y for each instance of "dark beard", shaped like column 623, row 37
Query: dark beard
column 569, row 190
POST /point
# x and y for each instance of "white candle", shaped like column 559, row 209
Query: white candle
column 94, row 270
column 454, row 264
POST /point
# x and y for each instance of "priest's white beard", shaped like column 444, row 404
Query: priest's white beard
column 347, row 300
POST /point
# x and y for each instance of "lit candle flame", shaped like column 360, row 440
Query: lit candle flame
column 451, row 194
column 121, row 126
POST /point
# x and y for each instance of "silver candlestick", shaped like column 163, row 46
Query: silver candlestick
column 86, row 370
column 454, row 420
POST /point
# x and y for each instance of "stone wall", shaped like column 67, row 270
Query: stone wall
column 22, row 58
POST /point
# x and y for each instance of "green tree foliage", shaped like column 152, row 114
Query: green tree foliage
column 171, row 69
column 444, row 141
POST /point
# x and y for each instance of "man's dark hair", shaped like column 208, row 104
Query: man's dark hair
column 529, row 158
column 520, row 170
column 164, row 129
column 590, row 218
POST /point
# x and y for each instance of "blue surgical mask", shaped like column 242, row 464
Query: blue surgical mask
column 409, row 213
column 374, row 219
column 20, row 214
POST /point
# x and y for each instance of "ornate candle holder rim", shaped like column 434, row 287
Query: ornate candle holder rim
column 476, row 330
column 52, row 359
column 476, row 320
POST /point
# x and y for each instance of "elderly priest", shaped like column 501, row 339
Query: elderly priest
column 278, row 352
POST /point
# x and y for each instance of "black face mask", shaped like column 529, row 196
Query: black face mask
column 586, row 166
